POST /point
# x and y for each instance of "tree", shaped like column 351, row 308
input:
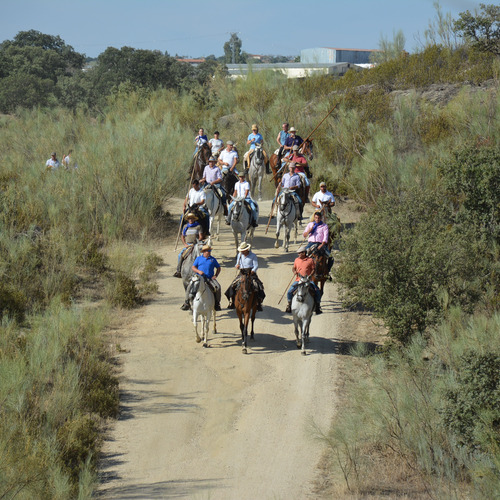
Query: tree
column 440, row 31
column 389, row 50
column 482, row 30
column 232, row 51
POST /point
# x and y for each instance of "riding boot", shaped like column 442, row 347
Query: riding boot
column 259, row 306
column 217, row 306
column 185, row 306
column 318, row 308
column 289, row 307
column 225, row 209
column 228, row 220
column 308, row 172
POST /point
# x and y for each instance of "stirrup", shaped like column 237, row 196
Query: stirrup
column 288, row 308
column 177, row 274
column 185, row 306
column 231, row 305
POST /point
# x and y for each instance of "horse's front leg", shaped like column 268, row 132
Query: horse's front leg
column 253, row 319
column 218, row 225
column 259, row 187
column 278, row 229
column 195, row 323
column 296, row 330
column 305, row 332
column 205, row 322
column 286, row 243
column 244, row 335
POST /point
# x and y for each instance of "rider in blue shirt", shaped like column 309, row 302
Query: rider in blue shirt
column 206, row 265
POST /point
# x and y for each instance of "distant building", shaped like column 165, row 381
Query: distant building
column 290, row 70
column 193, row 62
column 328, row 55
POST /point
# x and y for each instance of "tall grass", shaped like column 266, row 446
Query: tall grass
column 398, row 410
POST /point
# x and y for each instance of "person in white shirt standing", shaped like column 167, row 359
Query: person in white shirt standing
column 242, row 190
column 52, row 163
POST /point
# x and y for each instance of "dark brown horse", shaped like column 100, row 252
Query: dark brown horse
column 200, row 161
column 246, row 302
column 275, row 161
column 320, row 268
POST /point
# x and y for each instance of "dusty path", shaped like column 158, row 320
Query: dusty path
column 214, row 423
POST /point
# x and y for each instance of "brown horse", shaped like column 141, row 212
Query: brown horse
column 275, row 161
column 320, row 268
column 246, row 302
column 200, row 161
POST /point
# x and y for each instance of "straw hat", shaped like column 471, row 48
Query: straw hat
column 204, row 248
column 191, row 215
column 292, row 129
column 244, row 247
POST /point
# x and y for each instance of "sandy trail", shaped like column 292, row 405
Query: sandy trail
column 215, row 423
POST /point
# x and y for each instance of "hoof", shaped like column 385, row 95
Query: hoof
column 276, row 245
column 198, row 339
column 205, row 344
column 303, row 353
column 299, row 345
column 244, row 350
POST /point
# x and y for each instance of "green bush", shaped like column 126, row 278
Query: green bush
column 474, row 402
column 122, row 291
column 404, row 256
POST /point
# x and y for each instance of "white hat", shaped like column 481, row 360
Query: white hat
column 295, row 147
column 244, row 246
column 292, row 129
column 302, row 249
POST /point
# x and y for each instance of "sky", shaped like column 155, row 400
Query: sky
column 200, row 28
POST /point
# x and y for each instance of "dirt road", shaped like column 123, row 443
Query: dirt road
column 215, row 423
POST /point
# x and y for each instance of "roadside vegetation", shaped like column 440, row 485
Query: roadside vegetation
column 75, row 245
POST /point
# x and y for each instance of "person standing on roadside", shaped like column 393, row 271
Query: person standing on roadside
column 52, row 163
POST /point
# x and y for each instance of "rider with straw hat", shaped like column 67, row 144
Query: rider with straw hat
column 246, row 262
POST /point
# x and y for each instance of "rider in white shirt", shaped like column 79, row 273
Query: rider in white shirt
column 323, row 197
column 216, row 144
column 242, row 190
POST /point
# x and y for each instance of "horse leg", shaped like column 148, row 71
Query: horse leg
column 218, row 223
column 259, row 187
column 206, row 325
column 244, row 334
column 286, row 242
column 215, row 322
column 253, row 319
column 278, row 229
column 305, row 334
column 195, row 323
column 296, row 330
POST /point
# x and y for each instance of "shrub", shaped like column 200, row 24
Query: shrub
column 122, row 291
column 404, row 255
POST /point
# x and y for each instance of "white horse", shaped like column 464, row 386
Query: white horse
column 302, row 309
column 256, row 171
column 203, row 302
column 215, row 210
column 240, row 222
column 288, row 217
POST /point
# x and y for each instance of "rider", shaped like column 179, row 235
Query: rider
column 317, row 234
column 52, row 163
column 253, row 139
column 283, row 135
column 213, row 176
column 242, row 190
column 199, row 140
column 291, row 181
column 304, row 266
column 216, row 144
column 246, row 261
column 191, row 233
column 206, row 265
column 301, row 168
column 323, row 198
column 228, row 159
column 196, row 199
column 293, row 140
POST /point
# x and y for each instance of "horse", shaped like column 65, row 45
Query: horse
column 256, row 171
column 320, row 267
column 302, row 309
column 187, row 263
column 275, row 161
column 215, row 210
column 288, row 217
column 203, row 302
column 229, row 179
column 246, row 302
column 200, row 161
column 240, row 222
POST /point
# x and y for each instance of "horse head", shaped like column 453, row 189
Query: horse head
column 303, row 288
column 259, row 154
column 307, row 149
column 284, row 199
column 237, row 208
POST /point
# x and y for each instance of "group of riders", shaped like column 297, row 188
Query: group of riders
column 223, row 160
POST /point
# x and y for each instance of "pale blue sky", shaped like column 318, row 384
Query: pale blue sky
column 196, row 28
